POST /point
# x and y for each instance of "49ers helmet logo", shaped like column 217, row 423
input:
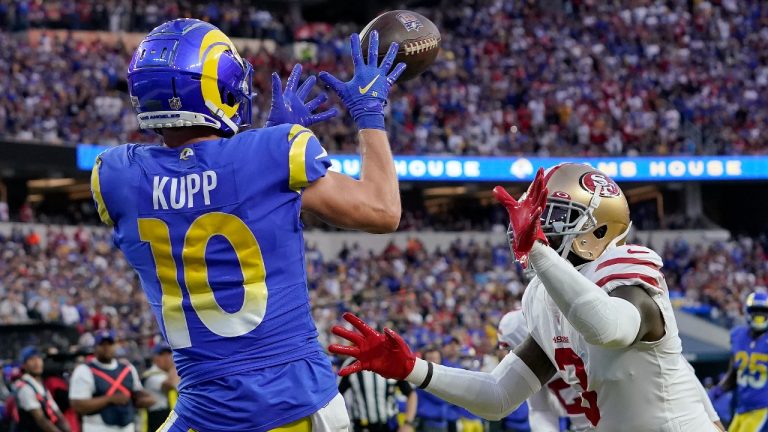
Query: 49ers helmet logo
column 608, row 188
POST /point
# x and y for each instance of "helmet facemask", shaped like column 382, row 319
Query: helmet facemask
column 563, row 220
column 757, row 317
column 585, row 213
column 756, row 311
column 238, row 93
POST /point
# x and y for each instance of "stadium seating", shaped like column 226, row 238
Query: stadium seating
column 511, row 78
column 78, row 278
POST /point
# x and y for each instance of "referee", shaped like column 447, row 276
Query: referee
column 372, row 402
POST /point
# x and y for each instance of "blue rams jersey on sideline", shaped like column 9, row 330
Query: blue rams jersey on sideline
column 517, row 420
column 214, row 233
column 750, row 358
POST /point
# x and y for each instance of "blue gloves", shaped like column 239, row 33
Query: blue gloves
column 289, row 106
column 366, row 93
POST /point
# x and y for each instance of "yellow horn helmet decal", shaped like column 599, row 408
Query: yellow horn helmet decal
column 214, row 44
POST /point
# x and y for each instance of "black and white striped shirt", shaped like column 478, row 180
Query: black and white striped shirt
column 370, row 396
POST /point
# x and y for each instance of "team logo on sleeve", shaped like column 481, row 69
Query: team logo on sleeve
column 409, row 21
column 608, row 187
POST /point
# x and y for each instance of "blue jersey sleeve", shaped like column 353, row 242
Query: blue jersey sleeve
column 307, row 159
column 106, row 184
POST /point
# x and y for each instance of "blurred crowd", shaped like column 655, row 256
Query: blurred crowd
column 237, row 18
column 78, row 280
column 712, row 281
column 81, row 280
column 448, row 299
column 462, row 215
column 584, row 78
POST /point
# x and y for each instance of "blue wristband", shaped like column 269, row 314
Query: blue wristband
column 370, row 121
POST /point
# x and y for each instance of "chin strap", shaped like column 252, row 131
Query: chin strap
column 620, row 237
column 218, row 112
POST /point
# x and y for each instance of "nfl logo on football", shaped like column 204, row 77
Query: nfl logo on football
column 410, row 22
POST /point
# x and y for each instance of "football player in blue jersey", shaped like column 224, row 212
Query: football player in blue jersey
column 210, row 222
column 748, row 371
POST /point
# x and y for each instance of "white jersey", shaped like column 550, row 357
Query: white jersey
column 645, row 387
column 555, row 399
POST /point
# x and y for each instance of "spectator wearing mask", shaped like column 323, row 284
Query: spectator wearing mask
column 36, row 411
column 161, row 381
column 106, row 392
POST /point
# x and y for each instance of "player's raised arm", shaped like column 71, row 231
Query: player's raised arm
column 617, row 320
column 489, row 395
column 372, row 203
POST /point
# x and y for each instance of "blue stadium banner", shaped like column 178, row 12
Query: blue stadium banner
column 511, row 169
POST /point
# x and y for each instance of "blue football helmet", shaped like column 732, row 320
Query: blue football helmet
column 186, row 72
column 756, row 309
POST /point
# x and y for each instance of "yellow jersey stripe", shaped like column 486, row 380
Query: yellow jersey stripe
column 173, row 396
column 301, row 425
column 166, row 426
column 144, row 418
column 96, row 189
column 295, row 130
column 297, row 168
column 750, row 420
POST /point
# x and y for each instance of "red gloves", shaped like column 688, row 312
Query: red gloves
column 386, row 353
column 524, row 216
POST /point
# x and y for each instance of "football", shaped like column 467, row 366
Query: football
column 418, row 37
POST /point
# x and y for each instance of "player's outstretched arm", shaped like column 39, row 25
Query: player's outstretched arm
column 728, row 382
column 489, row 395
column 372, row 203
column 615, row 321
column 612, row 321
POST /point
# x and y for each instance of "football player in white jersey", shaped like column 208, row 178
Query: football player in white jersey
column 598, row 313
column 556, row 398
column 559, row 399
